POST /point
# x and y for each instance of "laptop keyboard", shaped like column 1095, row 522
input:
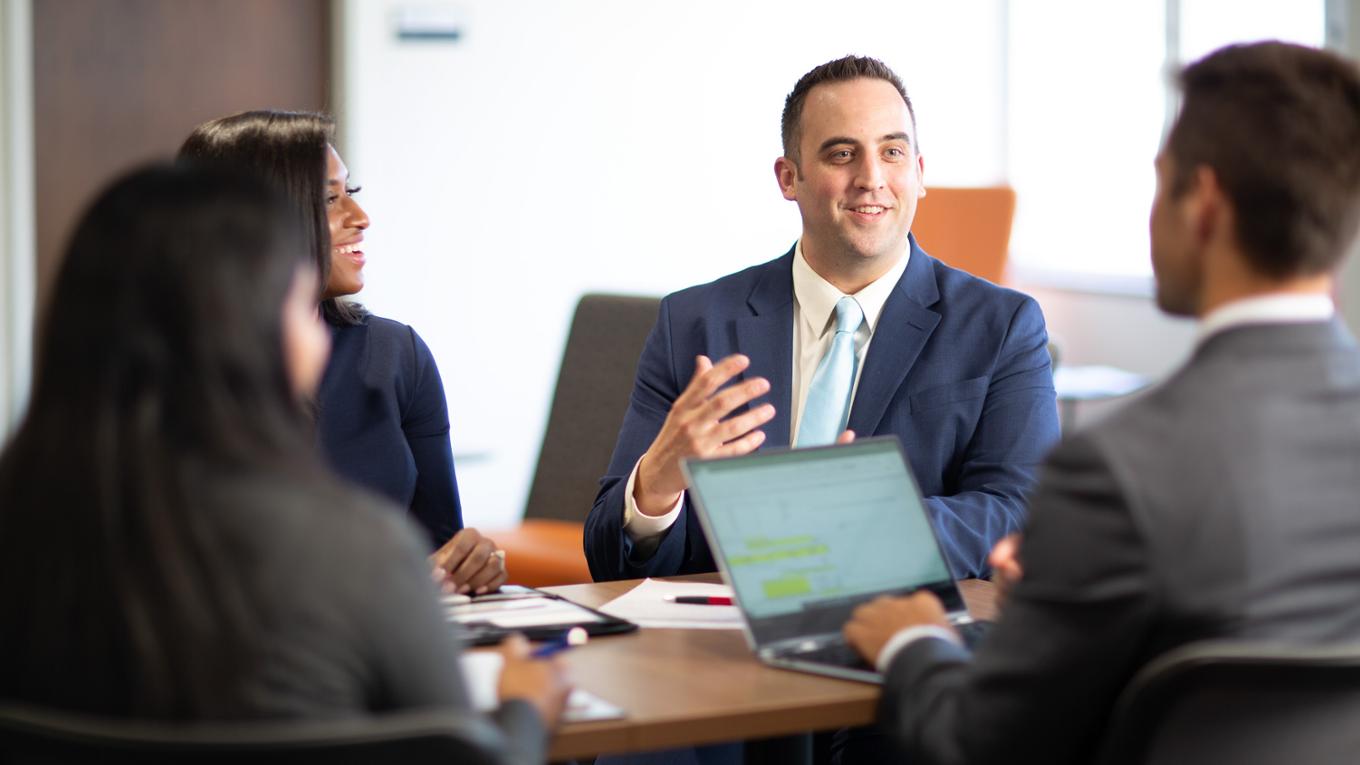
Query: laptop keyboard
column 835, row 654
column 972, row 632
column 840, row 654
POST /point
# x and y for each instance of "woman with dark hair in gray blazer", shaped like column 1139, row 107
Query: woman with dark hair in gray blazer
column 170, row 546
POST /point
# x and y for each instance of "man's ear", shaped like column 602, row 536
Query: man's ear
column 1205, row 205
column 786, row 172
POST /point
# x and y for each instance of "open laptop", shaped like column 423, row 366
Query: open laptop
column 806, row 535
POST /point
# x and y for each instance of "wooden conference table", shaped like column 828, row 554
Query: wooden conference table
column 690, row 687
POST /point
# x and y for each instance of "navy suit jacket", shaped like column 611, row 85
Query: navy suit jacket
column 958, row 369
column 383, row 423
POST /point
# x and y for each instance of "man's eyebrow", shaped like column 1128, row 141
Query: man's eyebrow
column 835, row 141
column 840, row 139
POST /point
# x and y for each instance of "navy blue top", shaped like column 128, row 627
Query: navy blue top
column 383, row 423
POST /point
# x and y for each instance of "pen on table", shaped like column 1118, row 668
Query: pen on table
column 574, row 637
column 700, row 600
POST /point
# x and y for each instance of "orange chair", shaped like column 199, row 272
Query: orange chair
column 593, row 387
column 541, row 552
column 968, row 228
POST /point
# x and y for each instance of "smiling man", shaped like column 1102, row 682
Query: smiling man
column 854, row 329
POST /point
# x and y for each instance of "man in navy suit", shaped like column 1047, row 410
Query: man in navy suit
column 955, row 366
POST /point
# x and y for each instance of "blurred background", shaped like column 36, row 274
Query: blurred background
column 516, row 154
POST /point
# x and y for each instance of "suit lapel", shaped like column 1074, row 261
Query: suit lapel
column 903, row 330
column 767, row 338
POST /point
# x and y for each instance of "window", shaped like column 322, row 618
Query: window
column 1090, row 91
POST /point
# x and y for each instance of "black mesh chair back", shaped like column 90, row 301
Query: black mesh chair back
column 1240, row 703
column 30, row 736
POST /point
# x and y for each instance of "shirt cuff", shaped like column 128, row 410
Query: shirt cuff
column 910, row 635
column 638, row 525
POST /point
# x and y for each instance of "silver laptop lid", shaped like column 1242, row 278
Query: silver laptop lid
column 805, row 535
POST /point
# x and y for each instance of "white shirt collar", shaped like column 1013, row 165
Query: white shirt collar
column 1267, row 309
column 817, row 297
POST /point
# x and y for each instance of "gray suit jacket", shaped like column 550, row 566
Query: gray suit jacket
column 1226, row 503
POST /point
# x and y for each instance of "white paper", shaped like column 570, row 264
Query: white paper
column 570, row 614
column 482, row 672
column 513, row 614
column 646, row 606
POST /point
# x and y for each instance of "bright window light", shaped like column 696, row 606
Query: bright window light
column 1207, row 25
column 1088, row 94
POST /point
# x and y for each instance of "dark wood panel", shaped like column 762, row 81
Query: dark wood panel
column 121, row 82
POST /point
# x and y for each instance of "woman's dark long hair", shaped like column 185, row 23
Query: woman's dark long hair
column 289, row 149
column 160, row 375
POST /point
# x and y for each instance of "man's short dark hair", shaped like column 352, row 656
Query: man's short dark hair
column 840, row 70
column 1279, row 125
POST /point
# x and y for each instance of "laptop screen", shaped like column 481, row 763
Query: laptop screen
column 826, row 527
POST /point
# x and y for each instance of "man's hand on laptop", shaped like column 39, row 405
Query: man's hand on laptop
column 1005, row 563
column 698, row 426
column 873, row 624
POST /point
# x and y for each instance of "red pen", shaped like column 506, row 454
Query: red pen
column 699, row 600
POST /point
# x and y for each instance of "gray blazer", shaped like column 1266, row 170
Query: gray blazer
column 1226, row 503
column 349, row 618
column 341, row 618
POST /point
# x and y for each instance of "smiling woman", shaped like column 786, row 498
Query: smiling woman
column 382, row 419
column 347, row 222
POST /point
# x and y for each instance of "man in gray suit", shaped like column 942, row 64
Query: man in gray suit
column 1226, row 503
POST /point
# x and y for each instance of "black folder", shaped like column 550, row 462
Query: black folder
column 538, row 615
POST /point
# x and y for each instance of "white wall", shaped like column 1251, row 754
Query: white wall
column 559, row 148
column 1343, row 34
column 17, row 259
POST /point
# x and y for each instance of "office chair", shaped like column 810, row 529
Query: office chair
column 593, row 387
column 967, row 228
column 1240, row 703
column 33, row 736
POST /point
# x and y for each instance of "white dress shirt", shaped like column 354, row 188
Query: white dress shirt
column 1267, row 309
column 1264, row 309
column 814, row 308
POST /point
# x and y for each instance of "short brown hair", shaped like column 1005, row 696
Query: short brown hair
column 840, row 70
column 1279, row 125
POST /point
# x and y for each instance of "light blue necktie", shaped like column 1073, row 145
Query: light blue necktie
column 827, row 408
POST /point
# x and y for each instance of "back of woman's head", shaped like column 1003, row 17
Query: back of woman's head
column 160, row 369
column 289, row 149
column 167, row 306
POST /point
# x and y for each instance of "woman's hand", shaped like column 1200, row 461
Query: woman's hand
column 541, row 682
column 469, row 564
